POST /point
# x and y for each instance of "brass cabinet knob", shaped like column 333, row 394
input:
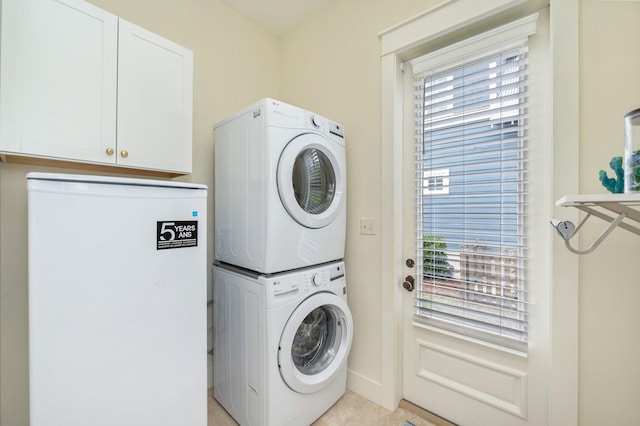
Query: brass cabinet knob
column 124, row 153
column 109, row 151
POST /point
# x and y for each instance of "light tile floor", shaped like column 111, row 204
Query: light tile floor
column 350, row 410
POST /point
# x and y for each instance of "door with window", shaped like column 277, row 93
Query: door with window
column 473, row 305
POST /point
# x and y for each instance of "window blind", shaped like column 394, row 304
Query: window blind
column 471, row 186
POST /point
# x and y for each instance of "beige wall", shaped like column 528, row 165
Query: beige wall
column 331, row 65
column 236, row 63
column 609, row 279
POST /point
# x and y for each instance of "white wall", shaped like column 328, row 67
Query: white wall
column 236, row 63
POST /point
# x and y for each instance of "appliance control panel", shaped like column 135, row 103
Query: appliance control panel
column 288, row 116
column 321, row 124
column 288, row 285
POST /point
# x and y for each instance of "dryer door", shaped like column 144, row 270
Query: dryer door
column 315, row 343
column 311, row 180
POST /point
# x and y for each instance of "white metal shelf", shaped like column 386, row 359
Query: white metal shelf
column 612, row 208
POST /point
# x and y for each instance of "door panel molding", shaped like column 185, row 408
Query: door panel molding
column 487, row 382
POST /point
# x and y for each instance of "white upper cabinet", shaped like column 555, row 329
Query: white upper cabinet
column 79, row 84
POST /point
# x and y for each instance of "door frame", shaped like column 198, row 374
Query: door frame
column 405, row 41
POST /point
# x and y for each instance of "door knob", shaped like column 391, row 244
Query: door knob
column 409, row 283
column 410, row 263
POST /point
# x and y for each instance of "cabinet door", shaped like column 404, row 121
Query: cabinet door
column 155, row 101
column 59, row 70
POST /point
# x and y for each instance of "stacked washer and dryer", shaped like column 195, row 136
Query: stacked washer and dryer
column 282, row 326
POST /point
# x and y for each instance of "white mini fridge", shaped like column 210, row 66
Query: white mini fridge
column 117, row 301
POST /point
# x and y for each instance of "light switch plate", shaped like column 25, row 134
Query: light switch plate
column 368, row 226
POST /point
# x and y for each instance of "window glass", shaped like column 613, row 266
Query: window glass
column 471, row 149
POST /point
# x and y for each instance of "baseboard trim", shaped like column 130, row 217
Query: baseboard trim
column 364, row 386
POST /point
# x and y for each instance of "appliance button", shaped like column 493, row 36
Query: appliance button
column 315, row 280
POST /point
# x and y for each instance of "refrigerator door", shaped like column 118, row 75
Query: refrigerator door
column 117, row 301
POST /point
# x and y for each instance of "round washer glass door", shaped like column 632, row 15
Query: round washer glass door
column 311, row 180
column 315, row 343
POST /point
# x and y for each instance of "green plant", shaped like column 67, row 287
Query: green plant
column 434, row 261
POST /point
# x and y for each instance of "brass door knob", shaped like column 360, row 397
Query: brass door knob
column 124, row 153
column 109, row 151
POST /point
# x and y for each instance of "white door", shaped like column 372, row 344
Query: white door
column 155, row 101
column 448, row 367
column 315, row 343
column 59, row 70
column 311, row 180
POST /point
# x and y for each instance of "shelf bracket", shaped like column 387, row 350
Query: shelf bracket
column 612, row 225
column 612, row 208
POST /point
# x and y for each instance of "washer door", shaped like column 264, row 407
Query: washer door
column 311, row 180
column 315, row 343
